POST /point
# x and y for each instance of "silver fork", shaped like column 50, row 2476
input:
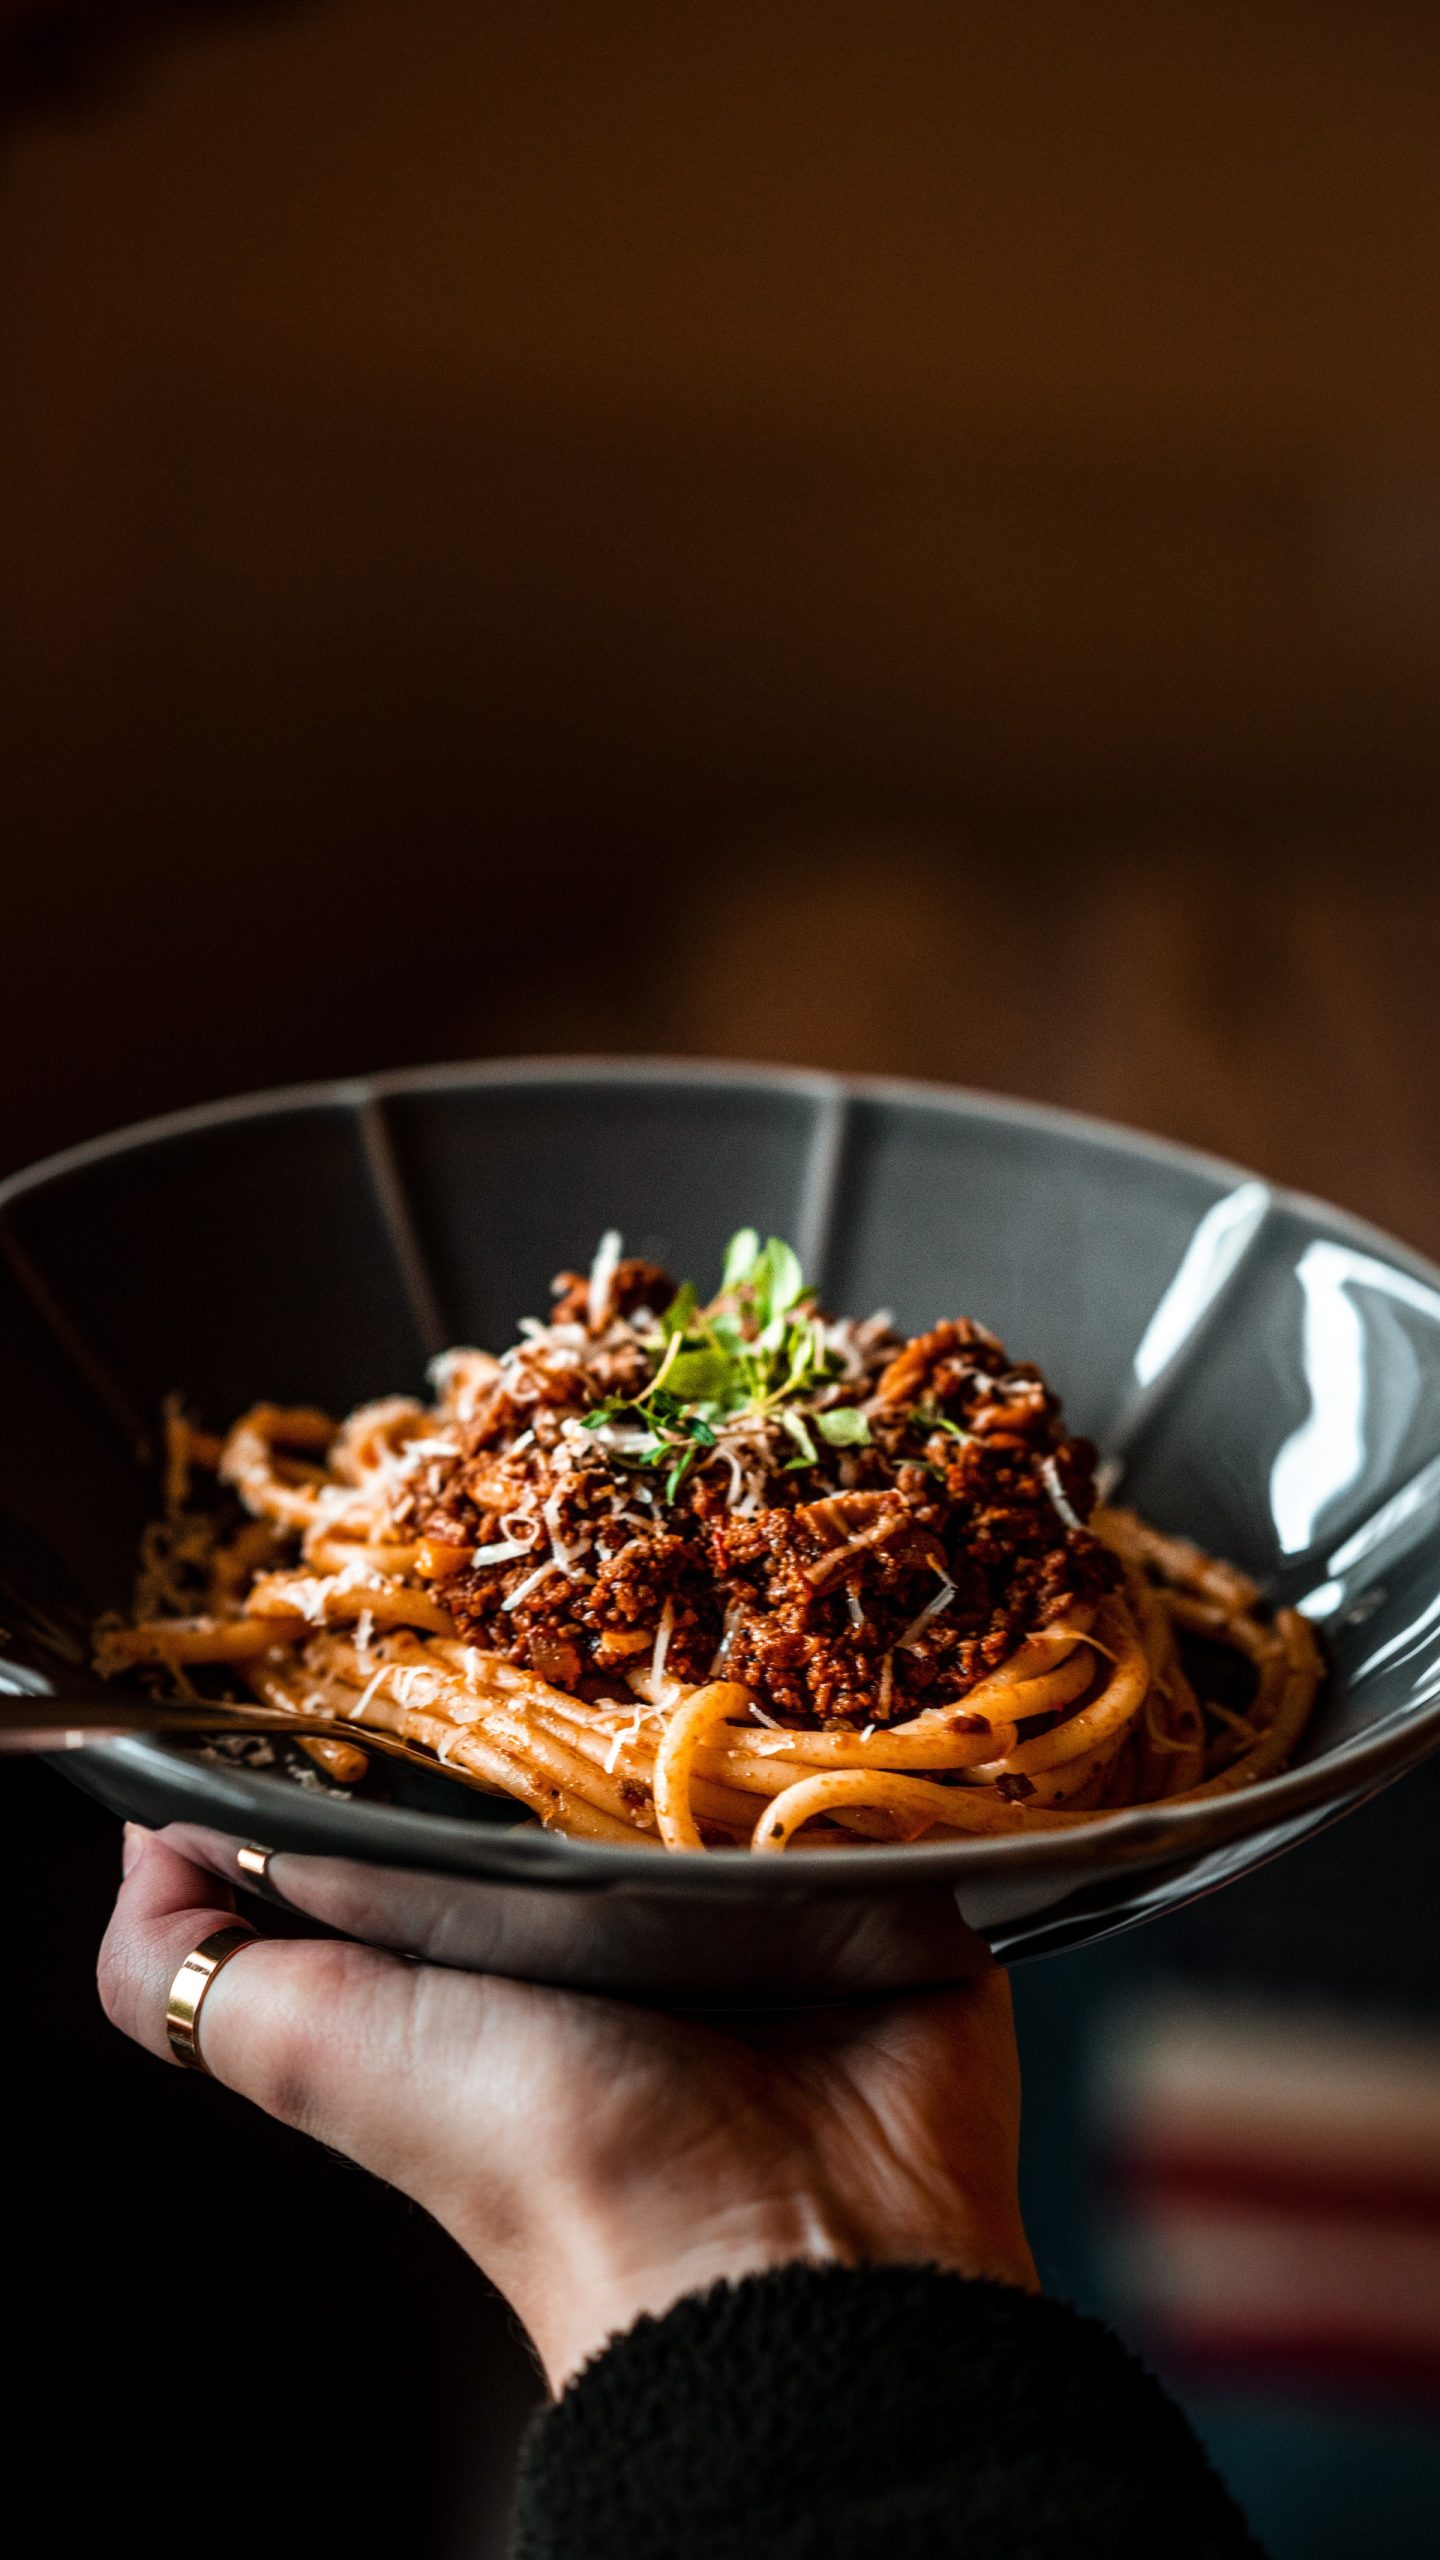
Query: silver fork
column 34, row 1721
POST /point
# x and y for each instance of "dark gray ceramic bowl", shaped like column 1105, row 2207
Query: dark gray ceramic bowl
column 1266, row 1369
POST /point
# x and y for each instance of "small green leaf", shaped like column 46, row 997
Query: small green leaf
column 701, row 1432
column 844, row 1428
column 942, row 1422
column 680, row 1314
column 694, row 1376
column 794, row 1423
column 801, row 1347
column 677, row 1474
column 741, row 1255
column 787, row 1280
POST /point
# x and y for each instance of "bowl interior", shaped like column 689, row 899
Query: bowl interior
column 1264, row 1370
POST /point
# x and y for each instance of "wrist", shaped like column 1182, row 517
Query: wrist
column 595, row 2278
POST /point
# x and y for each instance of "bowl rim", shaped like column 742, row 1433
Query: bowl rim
column 819, row 1085
column 1139, row 1835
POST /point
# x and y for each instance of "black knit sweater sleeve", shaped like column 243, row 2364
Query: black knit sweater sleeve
column 884, row 2413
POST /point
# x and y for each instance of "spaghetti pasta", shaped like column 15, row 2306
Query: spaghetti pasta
column 721, row 1576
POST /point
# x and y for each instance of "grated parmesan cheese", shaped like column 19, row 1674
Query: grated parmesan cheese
column 922, row 1617
column 602, row 1278
column 1058, row 1496
column 524, row 1589
column 353, row 1714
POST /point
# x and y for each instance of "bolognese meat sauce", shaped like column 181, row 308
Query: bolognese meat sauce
column 853, row 1525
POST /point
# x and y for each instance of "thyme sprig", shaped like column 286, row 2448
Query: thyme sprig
column 758, row 1347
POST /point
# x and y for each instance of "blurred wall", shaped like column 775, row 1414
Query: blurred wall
column 910, row 540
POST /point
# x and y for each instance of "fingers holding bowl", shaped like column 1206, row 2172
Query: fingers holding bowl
column 467, row 2093
column 652, row 1946
column 442, row 1919
column 166, row 1906
column 300, row 2026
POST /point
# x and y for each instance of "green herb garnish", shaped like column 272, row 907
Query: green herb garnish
column 931, row 1419
column 845, row 1427
column 759, row 1347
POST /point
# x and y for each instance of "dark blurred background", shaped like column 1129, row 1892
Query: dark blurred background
column 904, row 540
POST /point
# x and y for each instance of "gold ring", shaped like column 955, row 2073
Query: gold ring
column 253, row 1860
column 187, row 1991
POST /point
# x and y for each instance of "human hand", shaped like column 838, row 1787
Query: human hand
column 595, row 2159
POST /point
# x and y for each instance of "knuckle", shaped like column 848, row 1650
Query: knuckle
column 284, row 2083
column 108, row 1980
column 285, row 2092
column 351, row 1905
column 284, row 2041
column 116, row 1974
